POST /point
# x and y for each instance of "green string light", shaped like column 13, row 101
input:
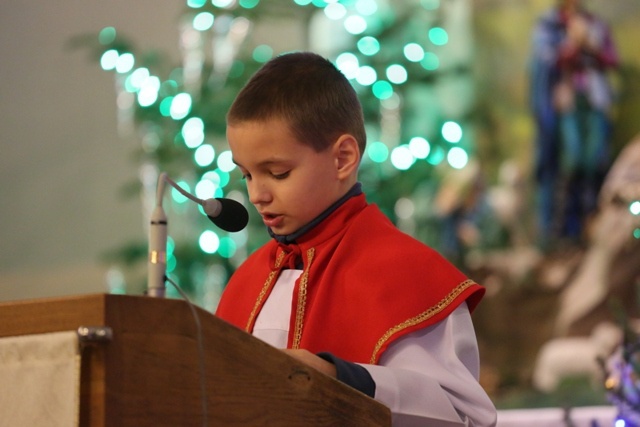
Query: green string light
column 248, row 4
column 438, row 36
column 107, row 35
column 378, row 152
column 368, row 45
column 262, row 53
column 382, row 89
column 196, row 4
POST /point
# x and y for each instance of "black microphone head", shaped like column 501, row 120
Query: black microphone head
column 233, row 215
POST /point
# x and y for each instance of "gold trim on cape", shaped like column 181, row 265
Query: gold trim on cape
column 302, row 301
column 432, row 311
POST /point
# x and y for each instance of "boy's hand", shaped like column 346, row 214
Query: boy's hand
column 314, row 361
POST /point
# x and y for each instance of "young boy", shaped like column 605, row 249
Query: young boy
column 338, row 285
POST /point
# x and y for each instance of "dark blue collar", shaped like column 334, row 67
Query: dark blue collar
column 291, row 238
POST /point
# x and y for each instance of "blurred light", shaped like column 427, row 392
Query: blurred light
column 115, row 281
column 413, row 52
column 222, row 3
column 125, row 63
column 262, row 53
column 382, row 90
column 193, row 132
column 248, row 4
column 107, row 35
column 171, row 263
column 147, row 97
column 165, row 106
column 335, row 11
column 419, row 147
column 378, row 152
column 438, row 36
column 148, row 93
column 457, row 158
column 620, row 423
column 366, row 7
column 355, row 24
column 212, row 176
column 206, row 189
column 138, row 78
column 195, row 4
column 204, row 155
column 209, row 242
column 203, row 21
column 452, row 132
column 430, row 61
column 224, row 177
column 397, row 74
column 348, row 64
column 401, row 158
column 366, row 75
column 171, row 245
column 404, row 208
column 368, row 45
column 177, row 196
column 319, row 3
column 436, row 156
column 634, row 208
column 109, row 59
column 180, row 106
column 302, row 2
column 227, row 247
column 225, row 161
column 636, row 233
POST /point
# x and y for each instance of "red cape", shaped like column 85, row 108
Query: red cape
column 364, row 285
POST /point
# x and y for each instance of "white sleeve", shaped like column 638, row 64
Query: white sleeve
column 430, row 377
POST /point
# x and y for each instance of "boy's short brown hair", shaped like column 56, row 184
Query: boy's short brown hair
column 307, row 91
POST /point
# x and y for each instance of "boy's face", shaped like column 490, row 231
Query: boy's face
column 288, row 182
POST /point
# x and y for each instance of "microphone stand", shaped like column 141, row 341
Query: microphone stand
column 157, row 262
column 227, row 214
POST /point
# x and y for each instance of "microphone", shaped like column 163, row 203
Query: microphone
column 228, row 214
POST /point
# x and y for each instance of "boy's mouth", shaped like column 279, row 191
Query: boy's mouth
column 271, row 220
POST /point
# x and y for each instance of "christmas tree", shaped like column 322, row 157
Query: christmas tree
column 409, row 61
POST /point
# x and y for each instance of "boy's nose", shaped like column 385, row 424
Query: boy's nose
column 258, row 194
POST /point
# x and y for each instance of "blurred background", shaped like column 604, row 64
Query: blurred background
column 97, row 98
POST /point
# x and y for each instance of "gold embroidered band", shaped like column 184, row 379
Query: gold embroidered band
column 422, row 316
column 302, row 301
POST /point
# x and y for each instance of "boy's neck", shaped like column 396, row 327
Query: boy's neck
column 355, row 190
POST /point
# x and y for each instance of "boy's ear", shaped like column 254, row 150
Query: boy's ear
column 346, row 155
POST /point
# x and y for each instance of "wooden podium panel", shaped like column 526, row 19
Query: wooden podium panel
column 149, row 373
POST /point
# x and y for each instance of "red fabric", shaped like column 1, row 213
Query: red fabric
column 364, row 285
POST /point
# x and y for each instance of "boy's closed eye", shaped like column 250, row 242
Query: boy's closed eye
column 282, row 175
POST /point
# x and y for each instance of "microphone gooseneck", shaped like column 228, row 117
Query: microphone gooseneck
column 228, row 214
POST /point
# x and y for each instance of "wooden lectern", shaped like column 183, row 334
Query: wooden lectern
column 148, row 373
